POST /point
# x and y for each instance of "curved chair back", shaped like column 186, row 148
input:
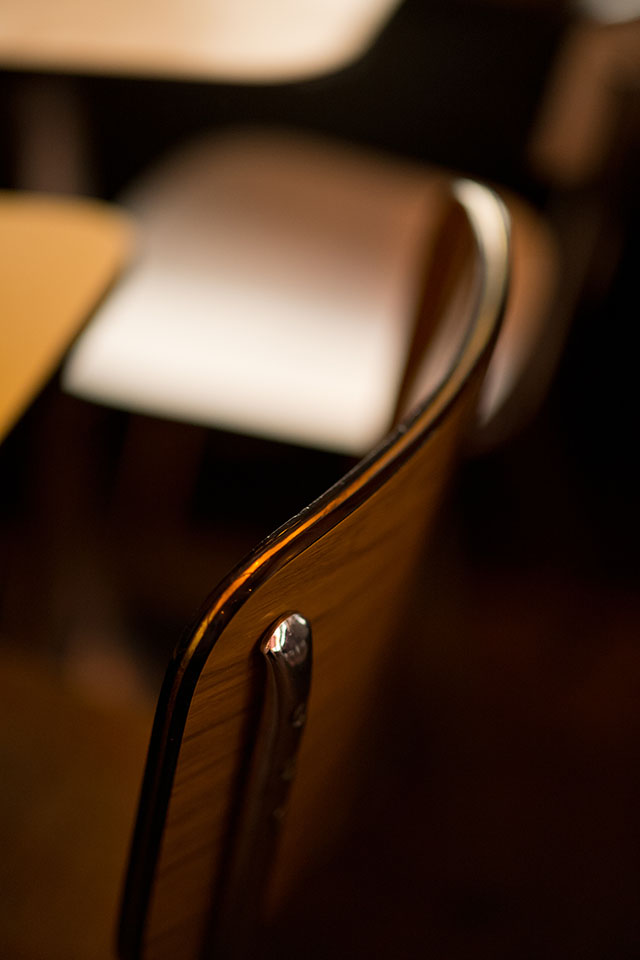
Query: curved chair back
column 302, row 631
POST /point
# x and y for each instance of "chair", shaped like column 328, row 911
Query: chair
column 584, row 147
column 263, row 249
column 266, row 699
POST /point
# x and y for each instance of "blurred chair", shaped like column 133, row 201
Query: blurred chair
column 267, row 701
column 584, row 148
column 273, row 294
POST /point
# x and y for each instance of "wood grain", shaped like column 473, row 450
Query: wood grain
column 58, row 258
column 345, row 564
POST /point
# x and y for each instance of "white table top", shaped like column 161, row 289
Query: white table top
column 219, row 40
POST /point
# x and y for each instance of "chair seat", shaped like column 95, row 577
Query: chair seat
column 274, row 294
column 276, row 290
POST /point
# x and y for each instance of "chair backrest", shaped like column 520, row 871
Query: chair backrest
column 309, row 614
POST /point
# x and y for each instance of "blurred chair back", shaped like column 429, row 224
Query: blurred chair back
column 265, row 701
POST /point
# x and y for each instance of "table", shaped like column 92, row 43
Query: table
column 217, row 40
column 58, row 257
column 222, row 41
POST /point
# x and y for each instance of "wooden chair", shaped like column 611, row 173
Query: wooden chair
column 266, row 700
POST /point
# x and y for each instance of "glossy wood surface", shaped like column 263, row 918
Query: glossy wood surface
column 345, row 564
column 58, row 258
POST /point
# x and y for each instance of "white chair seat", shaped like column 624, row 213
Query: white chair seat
column 273, row 295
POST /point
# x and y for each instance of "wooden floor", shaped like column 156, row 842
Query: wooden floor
column 500, row 818
column 509, row 824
